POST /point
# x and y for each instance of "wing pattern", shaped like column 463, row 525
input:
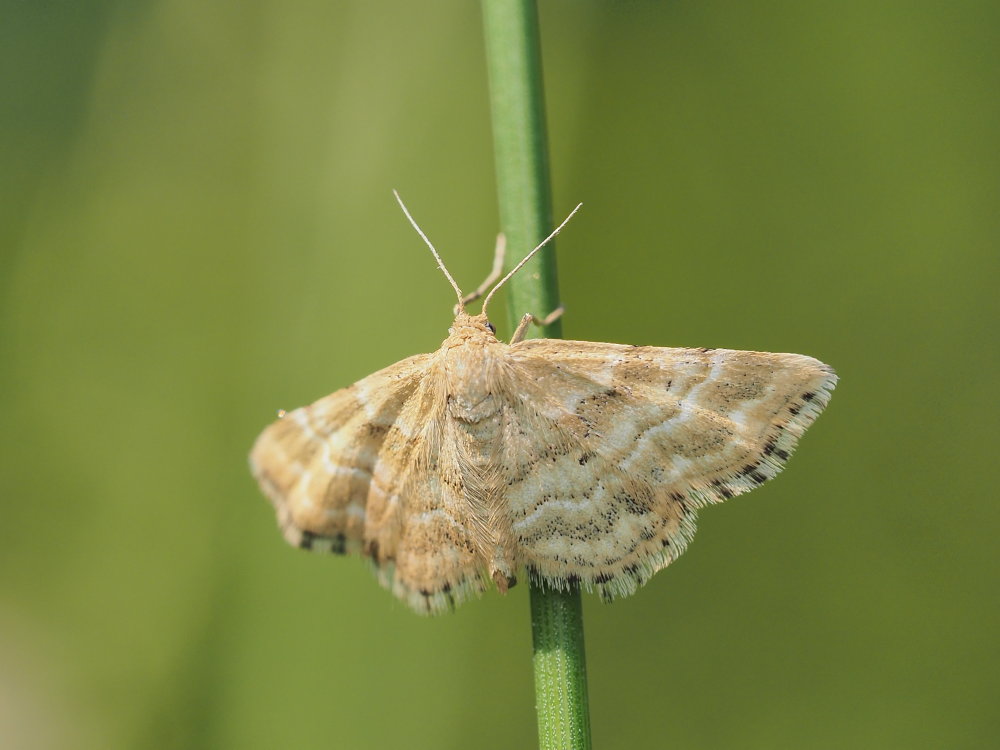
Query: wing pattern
column 583, row 462
column 628, row 442
column 369, row 469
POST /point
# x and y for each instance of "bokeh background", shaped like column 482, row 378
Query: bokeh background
column 197, row 229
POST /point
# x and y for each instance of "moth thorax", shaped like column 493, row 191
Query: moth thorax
column 473, row 383
column 475, row 408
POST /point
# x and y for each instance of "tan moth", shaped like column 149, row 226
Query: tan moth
column 582, row 463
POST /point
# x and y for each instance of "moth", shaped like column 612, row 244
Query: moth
column 581, row 463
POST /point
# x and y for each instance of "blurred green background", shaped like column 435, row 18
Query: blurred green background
column 197, row 229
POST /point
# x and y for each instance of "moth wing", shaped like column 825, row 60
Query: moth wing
column 315, row 464
column 419, row 531
column 372, row 469
column 619, row 446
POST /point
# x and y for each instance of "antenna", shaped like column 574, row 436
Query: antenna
column 527, row 257
column 461, row 305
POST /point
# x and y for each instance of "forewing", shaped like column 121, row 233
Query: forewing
column 315, row 464
column 372, row 469
column 418, row 529
column 622, row 444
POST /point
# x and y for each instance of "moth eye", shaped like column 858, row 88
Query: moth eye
column 493, row 328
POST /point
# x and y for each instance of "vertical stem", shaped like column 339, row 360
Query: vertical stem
column 514, row 63
column 560, row 669
column 513, row 59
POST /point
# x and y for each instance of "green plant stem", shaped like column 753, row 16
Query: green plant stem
column 517, row 105
column 519, row 143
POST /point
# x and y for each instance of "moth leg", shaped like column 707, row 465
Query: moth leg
column 528, row 319
column 498, row 255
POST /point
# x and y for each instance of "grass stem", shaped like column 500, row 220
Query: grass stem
column 513, row 55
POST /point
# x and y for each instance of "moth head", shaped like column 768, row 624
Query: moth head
column 471, row 329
